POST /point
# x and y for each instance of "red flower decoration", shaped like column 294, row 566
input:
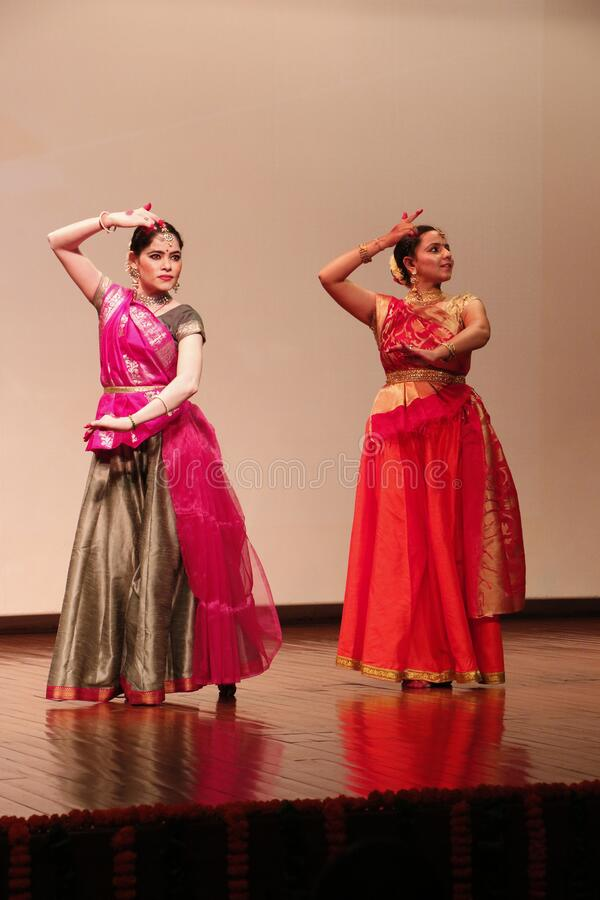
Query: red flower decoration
column 124, row 880
column 460, row 837
column 534, row 820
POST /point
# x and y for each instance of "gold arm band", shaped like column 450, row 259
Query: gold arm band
column 400, row 376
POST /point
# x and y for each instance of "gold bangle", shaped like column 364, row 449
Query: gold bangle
column 451, row 351
column 132, row 420
column 364, row 253
column 104, row 227
column 164, row 404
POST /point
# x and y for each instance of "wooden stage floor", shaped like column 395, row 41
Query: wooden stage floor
column 305, row 729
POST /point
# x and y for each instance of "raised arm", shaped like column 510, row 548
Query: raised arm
column 65, row 242
column 359, row 301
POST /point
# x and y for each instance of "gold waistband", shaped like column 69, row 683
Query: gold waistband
column 401, row 375
column 132, row 389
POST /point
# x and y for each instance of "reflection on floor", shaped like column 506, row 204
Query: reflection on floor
column 305, row 729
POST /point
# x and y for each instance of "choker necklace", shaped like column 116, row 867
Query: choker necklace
column 424, row 298
column 159, row 300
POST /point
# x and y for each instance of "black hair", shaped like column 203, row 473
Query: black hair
column 142, row 237
column 407, row 246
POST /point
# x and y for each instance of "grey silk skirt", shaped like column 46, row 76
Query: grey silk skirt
column 127, row 621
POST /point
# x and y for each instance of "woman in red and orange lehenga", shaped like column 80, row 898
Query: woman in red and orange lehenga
column 436, row 553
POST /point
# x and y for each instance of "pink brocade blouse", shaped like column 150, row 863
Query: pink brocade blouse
column 138, row 351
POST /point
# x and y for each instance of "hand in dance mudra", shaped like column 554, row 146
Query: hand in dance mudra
column 354, row 298
column 397, row 232
column 129, row 218
column 433, row 357
column 107, row 423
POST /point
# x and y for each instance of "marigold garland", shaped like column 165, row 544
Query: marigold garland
column 461, row 844
column 334, row 820
column 536, row 831
column 453, row 805
column 124, row 860
column 19, row 861
column 580, row 860
column 238, row 861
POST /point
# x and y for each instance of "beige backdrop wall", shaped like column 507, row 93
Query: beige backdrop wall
column 276, row 134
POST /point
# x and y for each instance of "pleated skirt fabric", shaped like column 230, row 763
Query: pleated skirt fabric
column 127, row 623
column 436, row 551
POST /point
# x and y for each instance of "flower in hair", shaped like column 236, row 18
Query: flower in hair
column 396, row 271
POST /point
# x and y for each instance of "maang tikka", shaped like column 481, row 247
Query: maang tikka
column 164, row 232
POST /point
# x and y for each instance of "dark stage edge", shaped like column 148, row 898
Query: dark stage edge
column 490, row 842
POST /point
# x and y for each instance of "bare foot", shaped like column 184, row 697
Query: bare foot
column 415, row 684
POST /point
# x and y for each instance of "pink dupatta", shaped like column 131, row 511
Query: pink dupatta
column 237, row 632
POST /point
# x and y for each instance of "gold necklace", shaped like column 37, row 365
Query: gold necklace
column 159, row 300
column 424, row 298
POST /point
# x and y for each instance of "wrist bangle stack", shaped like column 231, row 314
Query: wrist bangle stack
column 104, row 227
column 363, row 249
column 132, row 420
column 364, row 253
column 451, row 351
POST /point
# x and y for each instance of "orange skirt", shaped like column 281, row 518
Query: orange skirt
column 436, row 552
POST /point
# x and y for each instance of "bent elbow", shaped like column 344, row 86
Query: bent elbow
column 192, row 387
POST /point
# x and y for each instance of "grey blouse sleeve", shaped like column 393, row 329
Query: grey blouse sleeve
column 189, row 322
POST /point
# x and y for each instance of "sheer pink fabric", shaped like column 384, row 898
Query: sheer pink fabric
column 237, row 632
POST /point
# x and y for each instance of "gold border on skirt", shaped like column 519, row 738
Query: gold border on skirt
column 419, row 675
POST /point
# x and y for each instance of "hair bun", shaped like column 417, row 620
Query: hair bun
column 396, row 273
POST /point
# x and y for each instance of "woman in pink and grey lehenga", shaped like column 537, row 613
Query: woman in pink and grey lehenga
column 165, row 592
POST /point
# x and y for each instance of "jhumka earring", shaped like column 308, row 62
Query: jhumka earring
column 175, row 287
column 415, row 285
column 133, row 273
